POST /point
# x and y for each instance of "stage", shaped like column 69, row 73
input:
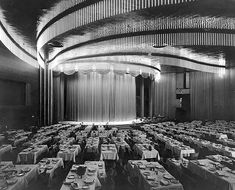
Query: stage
column 114, row 123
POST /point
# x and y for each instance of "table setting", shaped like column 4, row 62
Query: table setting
column 92, row 145
column 153, row 176
column 69, row 152
column 109, row 152
column 120, row 143
column 4, row 149
column 50, row 166
column 17, row 177
column 82, row 177
column 101, row 168
column 32, row 154
column 214, row 172
column 146, row 151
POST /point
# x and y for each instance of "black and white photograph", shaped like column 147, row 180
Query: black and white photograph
column 117, row 94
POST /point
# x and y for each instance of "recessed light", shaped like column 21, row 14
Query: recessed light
column 55, row 44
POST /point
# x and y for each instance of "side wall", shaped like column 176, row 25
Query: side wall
column 19, row 91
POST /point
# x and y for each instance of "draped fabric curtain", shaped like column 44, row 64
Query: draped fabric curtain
column 212, row 97
column 201, row 95
column 94, row 97
column 165, row 96
column 58, row 97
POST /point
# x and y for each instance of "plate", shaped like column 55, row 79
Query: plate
column 162, row 170
column 164, row 182
column 154, row 183
column 91, row 169
column 68, row 182
column 174, row 181
column 146, row 173
column 142, row 166
column 26, row 169
column 49, row 167
column 159, row 167
column 71, row 177
column 167, row 176
column 212, row 169
column 232, row 171
column 85, row 187
column 201, row 164
column 150, row 178
column 219, row 173
column 3, row 187
column 88, row 181
column 20, row 174
column 11, row 181
column 75, row 186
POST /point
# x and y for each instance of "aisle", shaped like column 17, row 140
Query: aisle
column 116, row 179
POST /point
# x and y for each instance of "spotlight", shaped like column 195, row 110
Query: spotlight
column 160, row 46
column 55, row 44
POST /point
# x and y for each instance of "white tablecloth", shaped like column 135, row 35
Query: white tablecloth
column 4, row 149
column 81, row 181
column 109, row 152
column 23, row 181
column 144, row 152
column 30, row 156
column 69, row 154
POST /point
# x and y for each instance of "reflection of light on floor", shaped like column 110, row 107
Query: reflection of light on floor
column 102, row 123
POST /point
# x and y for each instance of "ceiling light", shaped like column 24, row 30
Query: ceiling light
column 160, row 46
column 55, row 44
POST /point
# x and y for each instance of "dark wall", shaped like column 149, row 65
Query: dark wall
column 19, row 91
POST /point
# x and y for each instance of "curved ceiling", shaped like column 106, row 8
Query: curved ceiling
column 99, row 27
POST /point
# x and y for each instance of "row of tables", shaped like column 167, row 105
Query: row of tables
column 218, row 170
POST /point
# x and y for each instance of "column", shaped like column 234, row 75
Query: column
column 151, row 86
column 46, row 96
column 142, row 96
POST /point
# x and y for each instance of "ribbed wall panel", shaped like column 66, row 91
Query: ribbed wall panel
column 104, row 11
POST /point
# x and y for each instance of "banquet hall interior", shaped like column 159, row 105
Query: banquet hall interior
column 117, row 94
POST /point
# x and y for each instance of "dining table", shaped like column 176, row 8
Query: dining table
column 101, row 169
column 146, row 151
column 69, row 152
column 179, row 149
column 153, row 176
column 51, row 167
column 32, row 154
column 86, row 179
column 18, row 177
column 92, row 145
column 4, row 149
column 2, row 139
column 18, row 141
column 229, row 162
column 215, row 173
column 109, row 152
column 131, row 166
column 121, row 143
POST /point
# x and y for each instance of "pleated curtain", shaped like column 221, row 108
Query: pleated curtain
column 211, row 96
column 58, row 97
column 165, row 96
column 95, row 97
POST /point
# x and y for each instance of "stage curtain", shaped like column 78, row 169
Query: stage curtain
column 165, row 96
column 212, row 96
column 95, row 97
column 58, row 97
